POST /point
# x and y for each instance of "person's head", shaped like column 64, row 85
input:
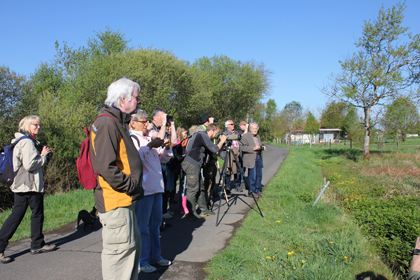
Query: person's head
column 253, row 128
column 157, row 116
column 123, row 94
column 204, row 119
column 31, row 124
column 139, row 121
column 192, row 129
column 212, row 130
column 181, row 132
column 230, row 125
column 242, row 125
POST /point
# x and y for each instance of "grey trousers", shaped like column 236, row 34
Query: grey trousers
column 121, row 244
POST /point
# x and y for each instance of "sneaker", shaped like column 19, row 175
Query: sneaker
column 167, row 216
column 147, row 268
column 164, row 262
column 193, row 217
column 45, row 249
column 4, row 259
column 206, row 213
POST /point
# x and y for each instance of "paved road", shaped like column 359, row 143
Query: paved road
column 190, row 244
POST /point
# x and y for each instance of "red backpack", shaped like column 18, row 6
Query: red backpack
column 87, row 177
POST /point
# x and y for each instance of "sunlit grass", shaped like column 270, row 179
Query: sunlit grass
column 295, row 240
column 59, row 210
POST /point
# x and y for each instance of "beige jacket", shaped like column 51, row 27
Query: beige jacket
column 28, row 162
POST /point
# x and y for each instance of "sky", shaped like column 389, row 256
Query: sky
column 300, row 42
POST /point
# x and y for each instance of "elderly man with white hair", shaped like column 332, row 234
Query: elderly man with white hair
column 252, row 157
column 119, row 184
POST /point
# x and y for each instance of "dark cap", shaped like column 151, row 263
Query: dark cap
column 204, row 118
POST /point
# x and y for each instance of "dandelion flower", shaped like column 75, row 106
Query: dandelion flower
column 303, row 261
column 331, row 242
column 267, row 257
column 290, row 253
column 278, row 221
column 265, row 249
column 345, row 257
column 294, row 267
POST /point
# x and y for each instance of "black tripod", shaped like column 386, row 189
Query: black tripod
column 222, row 184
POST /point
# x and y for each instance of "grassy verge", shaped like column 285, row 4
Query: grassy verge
column 295, row 240
column 382, row 195
column 59, row 210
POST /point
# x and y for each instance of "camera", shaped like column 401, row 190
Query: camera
column 215, row 120
column 169, row 118
column 40, row 147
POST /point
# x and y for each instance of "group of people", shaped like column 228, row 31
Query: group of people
column 138, row 161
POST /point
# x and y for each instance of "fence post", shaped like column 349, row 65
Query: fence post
column 330, row 143
column 320, row 194
column 351, row 143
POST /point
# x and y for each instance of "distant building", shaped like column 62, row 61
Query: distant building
column 325, row 135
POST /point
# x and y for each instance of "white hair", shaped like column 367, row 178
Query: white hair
column 254, row 123
column 122, row 88
column 227, row 122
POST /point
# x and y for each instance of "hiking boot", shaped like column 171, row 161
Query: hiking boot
column 45, row 249
column 147, row 268
column 206, row 213
column 4, row 259
column 193, row 217
column 164, row 262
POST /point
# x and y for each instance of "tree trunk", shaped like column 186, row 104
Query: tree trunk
column 366, row 123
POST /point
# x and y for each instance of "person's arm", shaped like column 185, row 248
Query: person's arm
column 162, row 131
column 174, row 137
column 165, row 153
column 30, row 157
column 415, row 264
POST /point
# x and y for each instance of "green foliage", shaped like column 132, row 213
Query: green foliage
column 382, row 68
column 393, row 223
column 311, row 126
column 401, row 117
column 12, row 94
column 235, row 86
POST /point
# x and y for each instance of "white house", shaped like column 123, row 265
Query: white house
column 325, row 135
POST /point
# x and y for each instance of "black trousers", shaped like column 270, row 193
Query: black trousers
column 35, row 201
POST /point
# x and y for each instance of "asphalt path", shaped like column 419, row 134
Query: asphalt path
column 188, row 243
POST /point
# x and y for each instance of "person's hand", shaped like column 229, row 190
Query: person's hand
column 223, row 138
column 155, row 143
column 257, row 148
column 246, row 126
column 45, row 151
column 264, row 148
column 211, row 119
column 167, row 143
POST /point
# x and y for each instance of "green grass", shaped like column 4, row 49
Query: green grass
column 59, row 210
column 295, row 240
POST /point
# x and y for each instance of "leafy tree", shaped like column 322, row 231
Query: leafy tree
column 311, row 126
column 292, row 115
column 351, row 122
column 235, row 86
column 383, row 67
column 13, row 88
column 401, row 117
column 334, row 114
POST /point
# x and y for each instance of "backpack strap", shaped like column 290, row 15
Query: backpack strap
column 17, row 141
column 135, row 138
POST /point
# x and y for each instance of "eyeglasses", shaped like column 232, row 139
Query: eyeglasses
column 36, row 124
column 138, row 99
column 142, row 121
column 231, row 124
